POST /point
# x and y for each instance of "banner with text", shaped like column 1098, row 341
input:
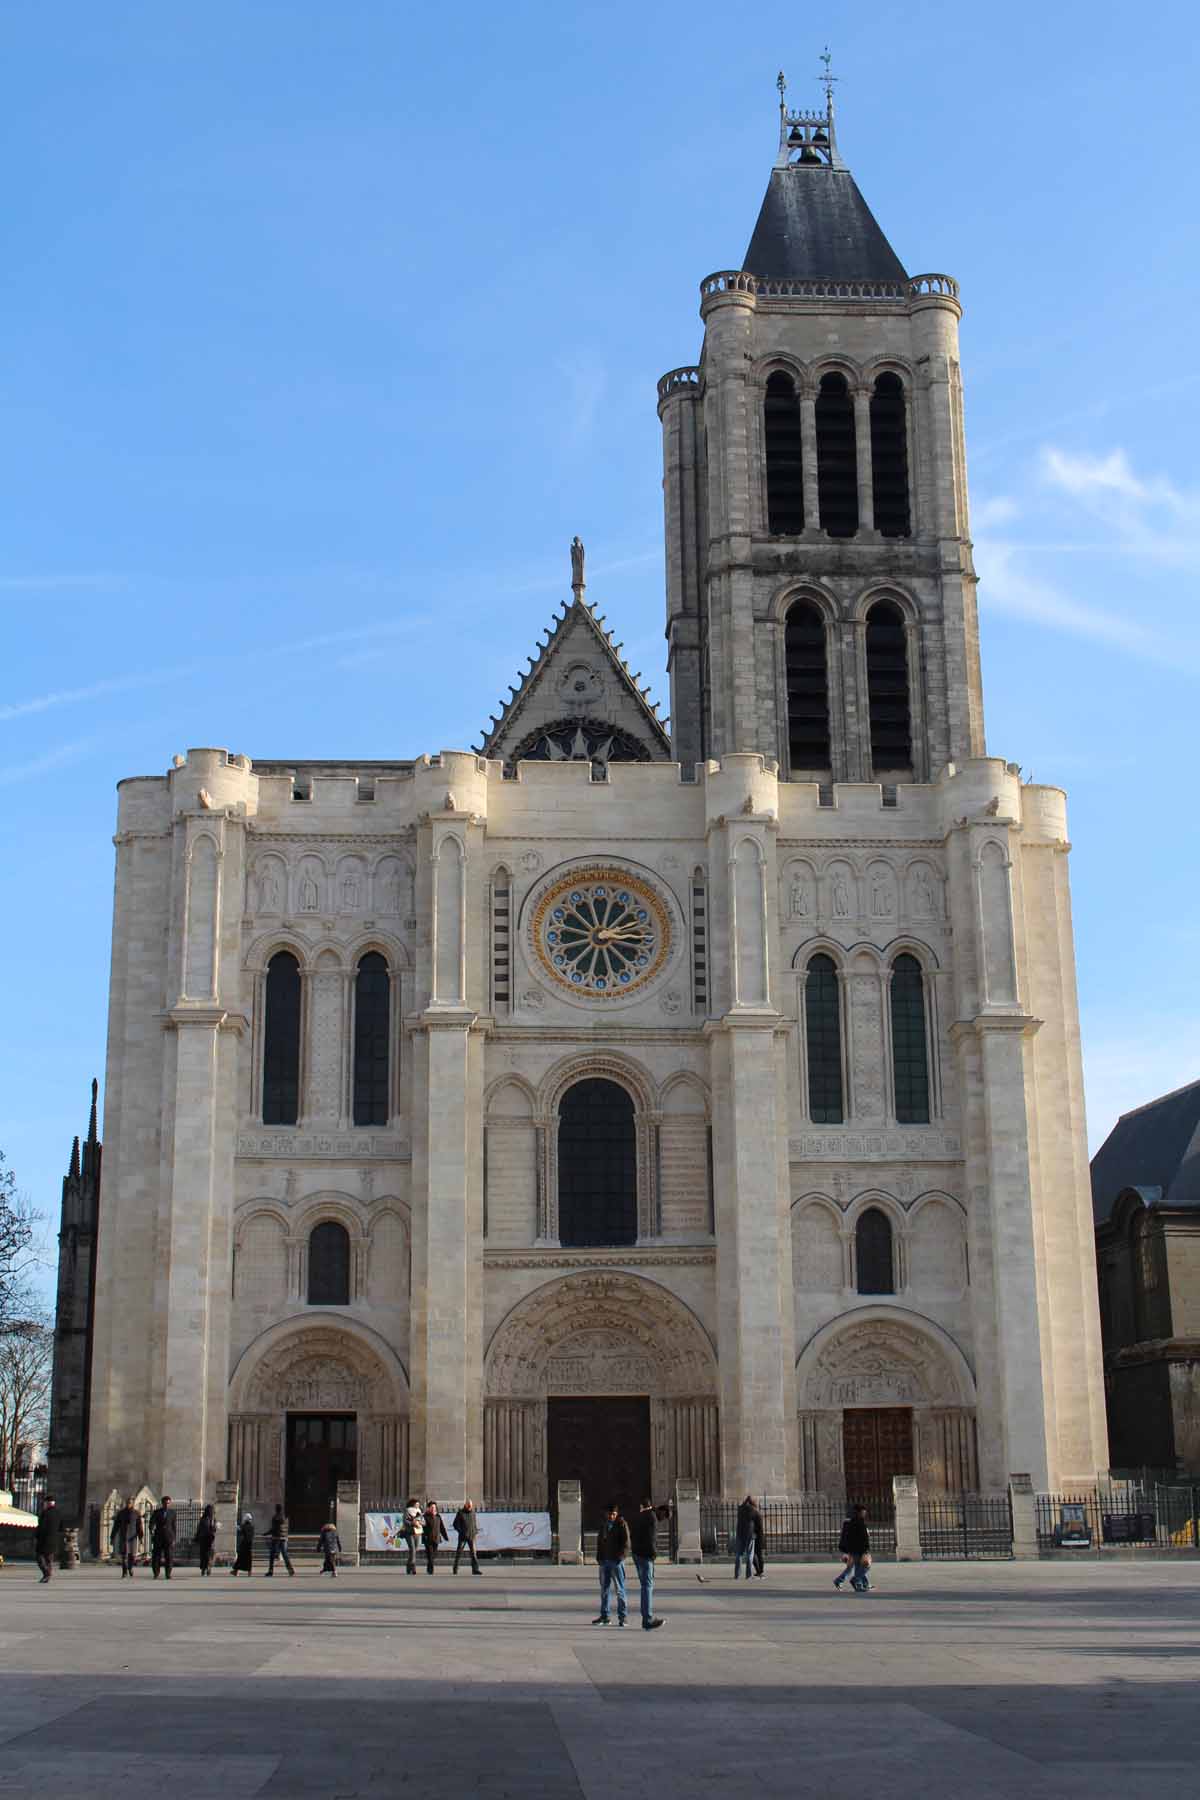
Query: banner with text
column 497, row 1531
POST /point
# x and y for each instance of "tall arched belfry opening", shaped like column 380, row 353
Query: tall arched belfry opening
column 609, row 1103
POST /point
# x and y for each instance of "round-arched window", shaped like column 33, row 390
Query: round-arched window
column 329, row 1265
column 597, row 1165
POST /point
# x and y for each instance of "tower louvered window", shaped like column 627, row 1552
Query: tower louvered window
column 874, row 1261
column 889, row 457
column 807, row 688
column 281, row 1041
column 699, row 942
column 823, row 1041
column 887, row 688
column 372, row 1033
column 910, row 1052
column 501, row 941
column 785, row 476
column 837, row 458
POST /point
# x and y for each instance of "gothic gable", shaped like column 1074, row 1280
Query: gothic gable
column 577, row 701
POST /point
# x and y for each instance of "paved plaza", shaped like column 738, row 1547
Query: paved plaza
column 1033, row 1680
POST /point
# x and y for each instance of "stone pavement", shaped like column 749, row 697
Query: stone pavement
column 1043, row 1681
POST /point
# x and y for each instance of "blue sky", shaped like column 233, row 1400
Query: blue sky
column 325, row 328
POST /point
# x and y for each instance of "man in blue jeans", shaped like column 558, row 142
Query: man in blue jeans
column 644, row 1538
column 612, row 1547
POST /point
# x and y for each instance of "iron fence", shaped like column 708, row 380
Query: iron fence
column 808, row 1527
column 965, row 1525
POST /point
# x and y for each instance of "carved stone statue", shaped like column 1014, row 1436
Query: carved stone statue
column 881, row 895
column 799, row 898
column 841, row 896
column 308, row 894
column 577, row 580
column 350, row 894
column 922, row 895
column 393, row 893
column 268, row 891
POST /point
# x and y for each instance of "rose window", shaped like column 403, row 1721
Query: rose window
column 601, row 933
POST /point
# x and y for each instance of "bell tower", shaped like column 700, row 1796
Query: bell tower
column 820, row 588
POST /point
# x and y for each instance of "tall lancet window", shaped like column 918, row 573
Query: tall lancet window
column 823, row 1040
column 372, row 1031
column 597, row 1165
column 887, row 689
column 910, row 1051
column 781, row 436
column 874, row 1262
column 837, row 458
column 889, row 457
column 807, row 688
column 281, row 1041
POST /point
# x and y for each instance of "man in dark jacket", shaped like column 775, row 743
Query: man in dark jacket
column 466, row 1524
column 749, row 1524
column 643, row 1537
column 45, row 1538
column 855, row 1546
column 126, row 1534
column 162, row 1537
column 612, row 1547
column 277, row 1542
column 435, row 1534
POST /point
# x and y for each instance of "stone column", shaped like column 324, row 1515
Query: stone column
column 345, row 1517
column 1024, row 1518
column 908, row 1526
column 808, row 462
column 225, row 1511
column 687, row 1522
column 862, row 445
column 570, row 1522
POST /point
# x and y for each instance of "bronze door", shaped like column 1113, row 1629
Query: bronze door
column 877, row 1443
column 321, row 1451
column 604, row 1444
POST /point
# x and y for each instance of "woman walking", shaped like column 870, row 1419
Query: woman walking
column 206, row 1539
column 243, row 1562
column 330, row 1546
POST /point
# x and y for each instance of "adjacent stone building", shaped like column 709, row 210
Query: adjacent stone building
column 1146, row 1194
column 611, row 1104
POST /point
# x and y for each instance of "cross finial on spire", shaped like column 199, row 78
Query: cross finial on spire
column 827, row 79
column 781, row 84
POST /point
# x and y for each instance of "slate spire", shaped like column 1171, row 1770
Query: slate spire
column 814, row 224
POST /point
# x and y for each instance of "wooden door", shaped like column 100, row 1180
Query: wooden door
column 877, row 1443
column 604, row 1444
column 321, row 1451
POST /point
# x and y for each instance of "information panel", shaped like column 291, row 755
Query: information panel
column 497, row 1531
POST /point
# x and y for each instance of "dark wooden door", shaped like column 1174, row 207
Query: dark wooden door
column 322, row 1450
column 877, row 1443
column 604, row 1444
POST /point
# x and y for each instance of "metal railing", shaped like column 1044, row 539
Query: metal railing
column 808, row 1527
column 965, row 1525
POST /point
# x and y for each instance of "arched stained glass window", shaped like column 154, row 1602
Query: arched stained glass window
column 597, row 1165
column 372, row 1033
column 329, row 1265
column 837, row 458
column 887, row 688
column 807, row 687
column 281, row 1041
column 889, row 457
column 823, row 1041
column 874, row 1263
column 910, row 1053
column 781, row 436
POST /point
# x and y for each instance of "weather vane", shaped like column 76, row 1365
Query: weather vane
column 828, row 79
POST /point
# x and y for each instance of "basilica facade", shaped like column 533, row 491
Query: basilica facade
column 620, row 1104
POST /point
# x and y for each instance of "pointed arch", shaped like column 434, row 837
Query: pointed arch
column 806, row 675
column 888, row 700
column 782, row 440
column 281, row 1040
column 837, row 456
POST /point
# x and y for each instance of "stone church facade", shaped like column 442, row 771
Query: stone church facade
column 611, row 1103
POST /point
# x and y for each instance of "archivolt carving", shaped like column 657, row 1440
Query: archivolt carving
column 883, row 1359
column 318, row 1366
column 603, row 1333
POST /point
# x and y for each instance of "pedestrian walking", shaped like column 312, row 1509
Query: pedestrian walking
column 330, row 1546
column 855, row 1547
column 206, row 1538
column 466, row 1524
column 162, row 1538
column 277, row 1542
column 760, row 1543
column 414, row 1526
column 643, row 1537
column 45, row 1538
column 745, row 1533
column 612, row 1547
column 435, row 1533
column 126, row 1534
column 243, row 1562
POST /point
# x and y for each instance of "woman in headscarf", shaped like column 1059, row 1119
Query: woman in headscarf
column 206, row 1538
column 245, row 1546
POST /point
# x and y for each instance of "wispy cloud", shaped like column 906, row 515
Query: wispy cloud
column 50, row 759
column 1005, row 586
column 1150, row 516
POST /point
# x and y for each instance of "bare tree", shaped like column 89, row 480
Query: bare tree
column 18, row 1248
column 26, row 1361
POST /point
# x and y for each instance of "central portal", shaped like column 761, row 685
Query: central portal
column 604, row 1444
column 322, row 1449
column 877, row 1443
